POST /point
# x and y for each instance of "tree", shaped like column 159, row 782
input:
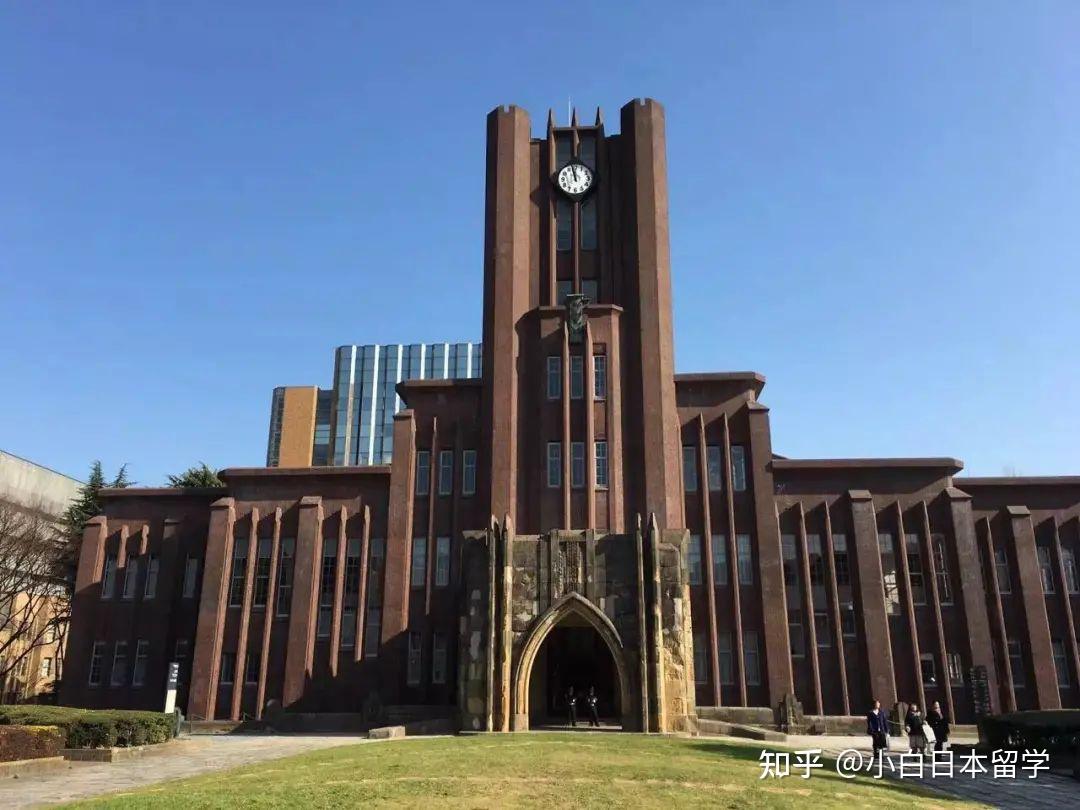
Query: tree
column 85, row 505
column 197, row 476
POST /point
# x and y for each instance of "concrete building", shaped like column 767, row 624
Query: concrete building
column 581, row 515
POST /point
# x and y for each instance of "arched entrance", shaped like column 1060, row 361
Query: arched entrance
column 573, row 644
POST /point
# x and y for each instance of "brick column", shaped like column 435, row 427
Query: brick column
column 87, row 592
column 206, row 661
column 399, row 529
column 875, row 619
column 301, row 646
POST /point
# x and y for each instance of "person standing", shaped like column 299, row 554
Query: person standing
column 939, row 723
column 590, row 701
column 914, row 723
column 877, row 726
column 571, row 706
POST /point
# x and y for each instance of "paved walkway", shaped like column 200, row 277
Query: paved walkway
column 188, row 756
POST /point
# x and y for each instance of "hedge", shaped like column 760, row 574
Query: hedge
column 30, row 742
column 1056, row 731
column 94, row 728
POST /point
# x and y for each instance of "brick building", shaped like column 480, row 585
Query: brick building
column 581, row 515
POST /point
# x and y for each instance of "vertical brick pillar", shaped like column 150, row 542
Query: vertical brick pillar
column 871, row 594
column 399, row 530
column 87, row 592
column 301, row 646
column 973, row 589
column 202, row 699
column 1034, row 601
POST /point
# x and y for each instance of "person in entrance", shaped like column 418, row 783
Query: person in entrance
column 571, row 706
column 590, row 701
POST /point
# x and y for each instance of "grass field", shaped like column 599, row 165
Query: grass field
column 527, row 770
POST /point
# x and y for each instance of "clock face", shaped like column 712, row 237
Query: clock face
column 575, row 179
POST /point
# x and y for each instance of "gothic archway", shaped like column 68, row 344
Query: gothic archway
column 571, row 605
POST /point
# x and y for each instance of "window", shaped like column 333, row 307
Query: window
column 228, row 668
column 239, row 572
column 108, row 577
column 51, row 633
column 738, row 468
column 577, row 376
column 414, row 663
column 285, row 576
column 438, row 658
column 817, row 562
column 468, row 472
column 327, row 572
column 915, row 570
column 590, row 288
column 180, row 651
column 714, row 466
column 588, row 225
column 442, row 562
column 727, row 668
column 577, row 464
column 888, row 574
column 152, row 566
column 418, row 576
column 564, row 216
column 251, row 668
column 446, row 472
column 822, row 630
column 746, row 565
column 97, row 656
column 1045, row 569
column 929, row 670
column 751, row 658
column 423, row 471
column 790, row 563
column 563, row 288
column 956, row 669
column 262, row 572
column 131, row 578
column 847, row 620
column 693, row 559
column 351, row 595
column 554, row 377
column 1016, row 663
column 689, row 468
column 840, row 560
column 941, row 568
column 118, row 677
column 599, row 379
column 1068, row 562
column 719, row 559
column 46, row 668
column 554, row 465
column 373, row 624
column 1060, row 663
column 601, row 464
column 701, row 661
column 142, row 653
column 795, row 633
column 191, row 577
column 1001, row 569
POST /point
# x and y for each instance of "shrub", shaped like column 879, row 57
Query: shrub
column 1056, row 731
column 30, row 742
column 94, row 728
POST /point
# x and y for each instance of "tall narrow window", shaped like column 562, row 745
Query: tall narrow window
column 1016, row 663
column 1045, row 569
column 228, row 669
column 108, row 577
column 888, row 573
column 423, row 471
column 118, row 677
column 724, row 658
column 563, row 288
column 751, row 658
column 929, row 669
column 351, row 596
column 941, row 568
column 153, row 565
column 418, row 576
column 719, row 559
column 714, row 465
column 601, row 465
column 1001, row 568
column 577, row 376
column 795, row 633
column 588, row 225
column 131, row 577
column 1061, row 665
column 822, row 631
column 438, row 658
column 442, row 562
column 738, row 468
column 790, row 562
column 746, row 565
column 590, row 288
column 554, row 465
column 915, row 569
column 693, row 559
column 191, row 577
column 142, row 653
column 285, row 576
column 599, row 365
column 251, row 668
column 689, row 468
column 373, row 623
column 577, row 464
column 554, row 377
column 817, row 562
column 446, row 472
column 413, row 673
column 180, row 651
column 701, row 659
column 262, row 571
column 97, row 658
column 468, row 472
column 327, row 574
column 956, row 669
column 1068, row 562
column 239, row 572
column 847, row 620
column 841, row 560
column 564, row 215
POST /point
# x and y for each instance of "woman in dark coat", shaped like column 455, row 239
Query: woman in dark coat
column 939, row 722
column 916, row 734
column 877, row 726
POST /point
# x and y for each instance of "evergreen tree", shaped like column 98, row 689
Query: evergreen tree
column 198, row 476
column 84, row 506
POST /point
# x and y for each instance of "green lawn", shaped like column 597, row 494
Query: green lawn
column 527, row 770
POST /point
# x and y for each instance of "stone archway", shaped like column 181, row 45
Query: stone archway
column 572, row 604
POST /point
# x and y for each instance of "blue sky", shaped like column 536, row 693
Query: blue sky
column 874, row 204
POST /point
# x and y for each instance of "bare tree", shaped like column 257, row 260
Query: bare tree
column 34, row 599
